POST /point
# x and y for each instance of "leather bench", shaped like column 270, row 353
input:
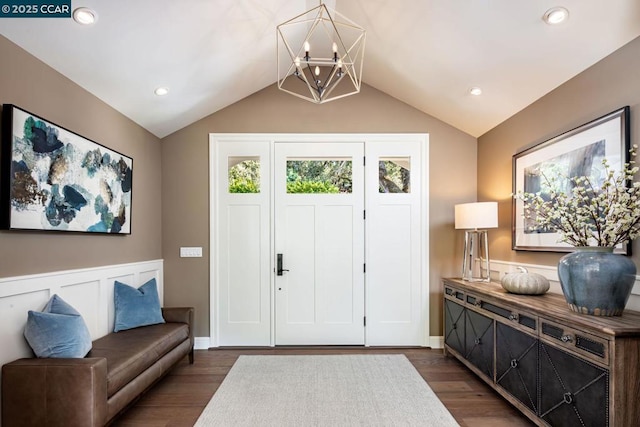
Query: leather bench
column 91, row 391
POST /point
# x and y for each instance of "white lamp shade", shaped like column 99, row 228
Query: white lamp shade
column 476, row 215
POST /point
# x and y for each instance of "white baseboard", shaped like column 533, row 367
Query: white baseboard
column 204, row 343
column 436, row 342
column 201, row 343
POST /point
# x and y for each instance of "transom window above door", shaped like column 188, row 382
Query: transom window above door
column 319, row 176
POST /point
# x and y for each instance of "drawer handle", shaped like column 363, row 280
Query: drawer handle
column 568, row 398
column 514, row 317
column 477, row 303
column 477, row 341
column 566, row 338
column 514, row 363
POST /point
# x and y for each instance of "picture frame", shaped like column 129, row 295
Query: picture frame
column 52, row 179
column 579, row 149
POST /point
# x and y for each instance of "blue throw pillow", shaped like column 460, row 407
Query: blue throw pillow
column 136, row 307
column 58, row 331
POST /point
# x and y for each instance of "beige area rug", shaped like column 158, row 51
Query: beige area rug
column 335, row 390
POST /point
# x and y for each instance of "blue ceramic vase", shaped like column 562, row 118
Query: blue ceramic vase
column 596, row 281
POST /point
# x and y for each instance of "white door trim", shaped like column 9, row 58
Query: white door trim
column 314, row 138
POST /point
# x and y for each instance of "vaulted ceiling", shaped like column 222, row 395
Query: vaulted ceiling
column 427, row 53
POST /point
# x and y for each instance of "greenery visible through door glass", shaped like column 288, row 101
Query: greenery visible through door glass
column 244, row 174
column 394, row 175
column 319, row 176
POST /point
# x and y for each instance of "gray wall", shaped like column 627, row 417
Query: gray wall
column 185, row 212
column 606, row 86
column 32, row 85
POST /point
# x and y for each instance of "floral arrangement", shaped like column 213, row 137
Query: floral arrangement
column 589, row 213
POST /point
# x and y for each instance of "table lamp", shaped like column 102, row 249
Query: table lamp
column 472, row 217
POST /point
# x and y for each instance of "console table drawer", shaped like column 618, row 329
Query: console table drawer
column 453, row 294
column 580, row 342
column 516, row 317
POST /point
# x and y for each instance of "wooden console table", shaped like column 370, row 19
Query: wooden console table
column 558, row 367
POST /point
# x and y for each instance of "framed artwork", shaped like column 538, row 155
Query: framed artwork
column 578, row 152
column 53, row 179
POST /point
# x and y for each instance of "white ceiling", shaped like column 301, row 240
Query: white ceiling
column 427, row 53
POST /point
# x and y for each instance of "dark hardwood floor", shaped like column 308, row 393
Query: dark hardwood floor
column 179, row 398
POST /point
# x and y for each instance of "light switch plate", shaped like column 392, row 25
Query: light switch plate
column 191, row 252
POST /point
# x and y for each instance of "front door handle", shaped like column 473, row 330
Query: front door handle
column 279, row 269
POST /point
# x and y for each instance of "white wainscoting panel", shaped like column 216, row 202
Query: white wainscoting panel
column 500, row 268
column 88, row 290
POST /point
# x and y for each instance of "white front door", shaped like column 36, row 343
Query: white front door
column 319, row 243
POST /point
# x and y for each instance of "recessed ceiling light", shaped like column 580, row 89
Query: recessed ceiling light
column 555, row 15
column 85, row 16
column 161, row 91
column 475, row 91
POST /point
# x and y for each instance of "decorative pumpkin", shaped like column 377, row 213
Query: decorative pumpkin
column 525, row 283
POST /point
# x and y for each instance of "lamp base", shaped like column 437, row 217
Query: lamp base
column 475, row 264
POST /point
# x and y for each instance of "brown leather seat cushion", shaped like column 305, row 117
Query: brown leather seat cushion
column 130, row 352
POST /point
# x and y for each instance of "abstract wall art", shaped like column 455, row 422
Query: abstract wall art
column 55, row 180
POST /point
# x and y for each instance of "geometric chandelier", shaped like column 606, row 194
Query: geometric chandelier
column 320, row 55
